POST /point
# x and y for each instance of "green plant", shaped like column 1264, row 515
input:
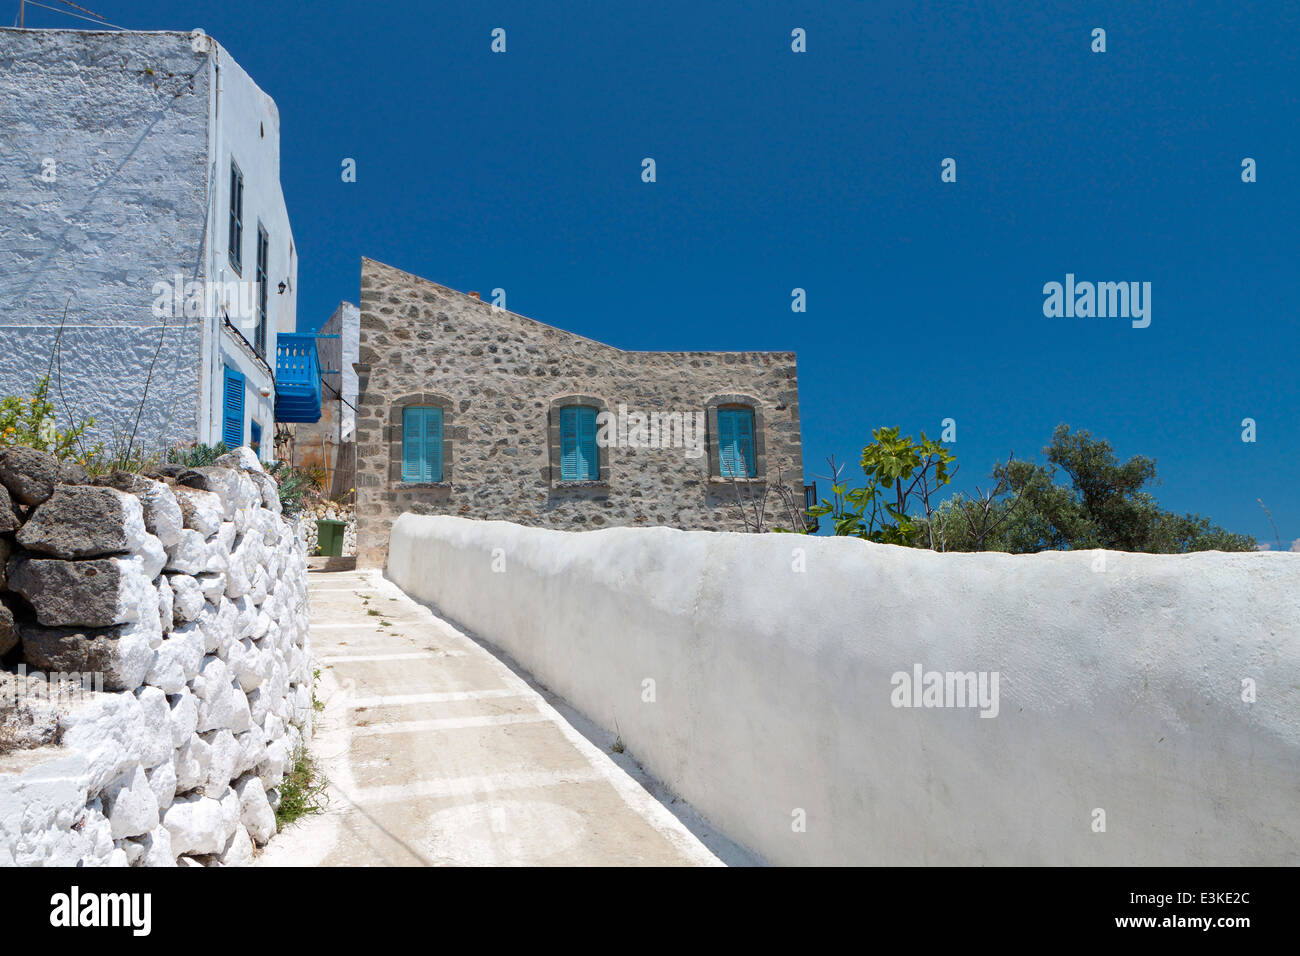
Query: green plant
column 900, row 472
column 1102, row 504
column 197, row 455
column 301, row 793
column 296, row 485
column 30, row 421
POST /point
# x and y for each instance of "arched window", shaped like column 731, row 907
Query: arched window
column 737, row 457
column 421, row 443
column 579, row 456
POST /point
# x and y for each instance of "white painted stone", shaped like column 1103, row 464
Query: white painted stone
column 110, row 730
column 189, row 554
column 158, row 848
column 239, row 851
column 252, row 751
column 166, row 604
column 184, row 716
column 245, row 459
column 38, row 808
column 219, row 624
column 188, row 597
column 225, row 755
column 193, row 760
column 207, row 510
column 155, row 713
column 197, row 824
column 162, row 511
column 130, row 804
column 216, row 695
column 162, row 781
column 255, row 811
column 177, row 660
column 213, row 585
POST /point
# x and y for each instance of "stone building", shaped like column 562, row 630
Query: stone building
column 331, row 442
column 140, row 191
column 467, row 409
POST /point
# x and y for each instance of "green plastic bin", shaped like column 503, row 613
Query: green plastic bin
column 329, row 537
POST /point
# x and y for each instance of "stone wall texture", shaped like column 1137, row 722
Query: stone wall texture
column 103, row 189
column 500, row 378
column 156, row 682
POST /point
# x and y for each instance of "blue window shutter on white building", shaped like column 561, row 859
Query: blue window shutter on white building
column 232, row 415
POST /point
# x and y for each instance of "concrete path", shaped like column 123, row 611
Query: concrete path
column 438, row 753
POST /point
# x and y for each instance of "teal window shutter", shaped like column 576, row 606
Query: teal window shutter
column 433, row 444
column 412, row 443
column 232, row 413
column 579, row 456
column 736, row 457
column 421, row 443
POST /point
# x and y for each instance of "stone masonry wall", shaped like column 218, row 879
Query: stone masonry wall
column 500, row 379
column 156, row 681
column 104, row 173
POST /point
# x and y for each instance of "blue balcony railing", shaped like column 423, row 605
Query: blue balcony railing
column 297, row 378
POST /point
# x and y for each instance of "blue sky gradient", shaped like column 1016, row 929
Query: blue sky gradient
column 821, row 170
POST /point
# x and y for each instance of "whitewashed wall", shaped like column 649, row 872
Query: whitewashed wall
column 1120, row 686
column 140, row 129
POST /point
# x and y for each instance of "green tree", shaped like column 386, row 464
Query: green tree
column 900, row 472
column 1104, row 505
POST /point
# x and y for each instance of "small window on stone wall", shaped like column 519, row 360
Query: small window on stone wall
column 735, row 438
column 579, row 456
column 736, row 458
column 575, row 455
column 421, row 443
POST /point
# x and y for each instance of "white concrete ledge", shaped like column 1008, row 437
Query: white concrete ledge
column 1120, row 686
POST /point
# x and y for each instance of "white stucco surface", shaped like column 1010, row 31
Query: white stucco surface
column 1121, row 686
column 115, row 153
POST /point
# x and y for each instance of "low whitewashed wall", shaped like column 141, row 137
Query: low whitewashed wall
column 181, row 601
column 1120, row 686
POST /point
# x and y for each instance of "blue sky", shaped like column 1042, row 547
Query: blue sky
column 821, row 171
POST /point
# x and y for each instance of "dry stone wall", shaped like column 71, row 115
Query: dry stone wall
column 156, row 680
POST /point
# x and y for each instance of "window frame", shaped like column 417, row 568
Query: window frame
column 263, row 278
column 587, row 464
column 235, row 237
column 554, row 471
column 430, row 471
column 393, row 436
column 758, row 467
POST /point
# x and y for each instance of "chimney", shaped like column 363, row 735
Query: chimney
column 472, row 295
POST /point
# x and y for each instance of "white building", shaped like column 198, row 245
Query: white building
column 140, row 188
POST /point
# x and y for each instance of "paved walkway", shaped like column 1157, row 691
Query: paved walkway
column 438, row 753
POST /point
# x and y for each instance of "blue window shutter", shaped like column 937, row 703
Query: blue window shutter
column 588, row 456
column 255, row 439
column 413, row 444
column 433, row 444
column 728, row 467
column 232, row 416
column 569, row 444
column 745, row 442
